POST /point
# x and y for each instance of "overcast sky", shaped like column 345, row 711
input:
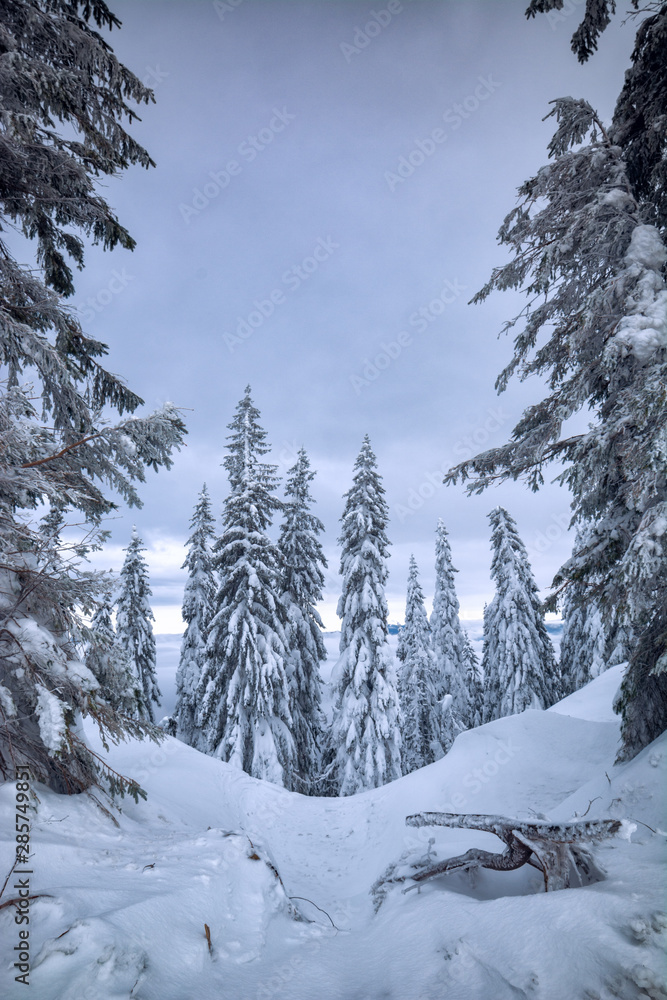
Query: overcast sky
column 330, row 180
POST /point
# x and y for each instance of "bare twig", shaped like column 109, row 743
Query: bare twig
column 63, row 451
column 306, row 900
column 590, row 804
column 645, row 824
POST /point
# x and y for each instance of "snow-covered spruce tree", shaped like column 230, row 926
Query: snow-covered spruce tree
column 584, row 642
column 55, row 447
column 302, row 561
column 518, row 663
column 365, row 734
column 198, row 603
column 426, row 723
column 243, row 691
column 584, row 253
column 638, row 126
column 638, row 130
column 133, row 626
column 107, row 660
column 446, row 630
column 474, row 683
column 620, row 643
column 584, row 651
column 638, row 122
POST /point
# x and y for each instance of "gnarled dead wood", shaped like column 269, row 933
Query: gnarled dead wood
column 558, row 850
column 555, row 848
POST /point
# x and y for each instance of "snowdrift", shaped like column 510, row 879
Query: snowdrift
column 282, row 881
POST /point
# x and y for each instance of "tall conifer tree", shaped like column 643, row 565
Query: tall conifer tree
column 518, row 663
column 427, row 721
column 474, row 683
column 584, row 651
column 66, row 100
column 446, row 630
column 243, row 689
column 198, row 601
column 365, row 730
column 588, row 249
column 302, row 581
column 108, row 662
column 133, row 626
column 583, row 643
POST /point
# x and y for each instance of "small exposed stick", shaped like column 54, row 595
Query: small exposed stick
column 148, row 866
column 646, row 825
column 590, row 804
column 275, row 872
column 207, row 934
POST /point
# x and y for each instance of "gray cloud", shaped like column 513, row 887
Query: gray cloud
column 225, row 85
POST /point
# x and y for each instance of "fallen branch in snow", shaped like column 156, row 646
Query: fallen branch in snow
column 555, row 848
column 207, row 935
column 255, row 857
column 305, row 898
column 558, row 850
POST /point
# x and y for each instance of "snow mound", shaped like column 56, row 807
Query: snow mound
column 594, row 700
column 283, row 881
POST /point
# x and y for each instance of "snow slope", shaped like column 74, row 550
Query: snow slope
column 127, row 905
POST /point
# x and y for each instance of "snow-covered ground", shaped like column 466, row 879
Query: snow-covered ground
column 127, row 903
